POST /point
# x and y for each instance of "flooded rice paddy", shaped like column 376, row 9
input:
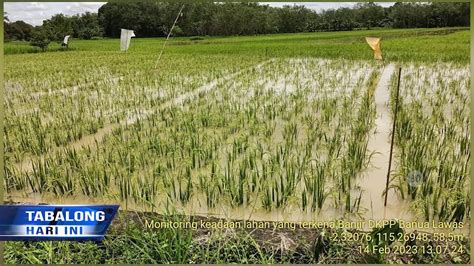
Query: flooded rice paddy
column 279, row 140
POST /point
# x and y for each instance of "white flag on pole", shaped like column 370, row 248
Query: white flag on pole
column 66, row 39
column 125, row 36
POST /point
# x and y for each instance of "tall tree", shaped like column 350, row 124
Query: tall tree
column 86, row 26
column 57, row 27
column 369, row 15
column 154, row 19
column 40, row 38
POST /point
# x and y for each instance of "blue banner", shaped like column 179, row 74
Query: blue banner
column 55, row 222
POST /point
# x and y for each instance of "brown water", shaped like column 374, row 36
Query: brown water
column 373, row 180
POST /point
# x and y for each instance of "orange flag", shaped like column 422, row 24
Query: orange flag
column 374, row 43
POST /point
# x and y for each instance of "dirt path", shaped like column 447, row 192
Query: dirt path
column 373, row 182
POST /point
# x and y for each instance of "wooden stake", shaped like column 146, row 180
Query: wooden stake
column 168, row 36
column 393, row 135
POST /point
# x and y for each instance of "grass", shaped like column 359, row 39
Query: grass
column 128, row 241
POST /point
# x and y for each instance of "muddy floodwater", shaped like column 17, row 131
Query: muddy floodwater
column 373, row 181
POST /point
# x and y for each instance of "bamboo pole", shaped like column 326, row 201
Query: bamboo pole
column 393, row 135
column 167, row 37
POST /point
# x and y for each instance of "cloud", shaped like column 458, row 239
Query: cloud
column 35, row 12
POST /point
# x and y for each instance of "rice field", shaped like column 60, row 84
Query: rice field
column 257, row 133
column 433, row 139
column 249, row 139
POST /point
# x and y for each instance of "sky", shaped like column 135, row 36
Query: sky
column 35, row 12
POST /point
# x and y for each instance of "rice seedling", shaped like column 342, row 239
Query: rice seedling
column 179, row 188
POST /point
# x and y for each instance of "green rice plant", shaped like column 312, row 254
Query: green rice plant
column 37, row 179
column 282, row 185
column 233, row 184
column 62, row 185
column 40, row 133
column 315, row 185
column 290, row 133
column 179, row 187
column 13, row 178
column 144, row 192
column 94, row 181
column 210, row 187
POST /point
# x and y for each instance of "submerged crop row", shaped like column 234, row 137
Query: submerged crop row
column 290, row 133
column 40, row 116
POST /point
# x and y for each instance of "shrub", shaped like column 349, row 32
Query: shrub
column 40, row 38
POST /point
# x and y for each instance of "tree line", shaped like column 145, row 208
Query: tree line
column 154, row 19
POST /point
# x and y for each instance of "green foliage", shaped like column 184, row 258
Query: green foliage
column 40, row 38
column 371, row 15
column 437, row 14
column 384, row 237
column 86, row 26
column 153, row 19
column 177, row 31
column 57, row 27
column 17, row 31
